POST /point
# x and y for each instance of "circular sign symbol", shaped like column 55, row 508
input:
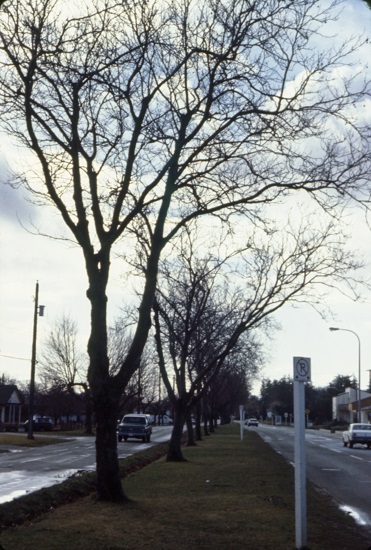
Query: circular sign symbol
column 301, row 368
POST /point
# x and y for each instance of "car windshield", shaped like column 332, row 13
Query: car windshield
column 134, row 420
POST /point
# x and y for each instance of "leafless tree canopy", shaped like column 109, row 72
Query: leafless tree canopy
column 206, row 103
column 200, row 323
column 62, row 363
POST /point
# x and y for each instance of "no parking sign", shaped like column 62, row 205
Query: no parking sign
column 302, row 371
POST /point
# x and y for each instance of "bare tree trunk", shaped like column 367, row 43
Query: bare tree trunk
column 105, row 391
column 191, row 442
column 206, row 429
column 109, row 485
column 211, row 425
column 174, row 453
column 205, row 415
column 198, row 422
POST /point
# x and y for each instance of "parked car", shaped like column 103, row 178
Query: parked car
column 357, row 433
column 40, row 424
column 134, row 425
column 252, row 422
column 162, row 419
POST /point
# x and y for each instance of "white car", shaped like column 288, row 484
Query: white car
column 162, row 419
column 357, row 433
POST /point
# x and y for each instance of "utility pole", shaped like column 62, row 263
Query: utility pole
column 38, row 310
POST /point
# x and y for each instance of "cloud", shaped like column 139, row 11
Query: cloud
column 14, row 205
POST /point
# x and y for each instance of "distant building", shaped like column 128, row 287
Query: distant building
column 10, row 407
column 365, row 409
column 345, row 406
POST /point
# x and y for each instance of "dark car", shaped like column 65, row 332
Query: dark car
column 252, row 422
column 136, row 426
column 40, row 424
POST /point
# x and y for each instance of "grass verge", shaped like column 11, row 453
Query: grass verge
column 229, row 495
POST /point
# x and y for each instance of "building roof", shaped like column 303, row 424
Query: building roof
column 7, row 391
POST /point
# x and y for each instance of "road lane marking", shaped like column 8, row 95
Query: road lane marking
column 357, row 457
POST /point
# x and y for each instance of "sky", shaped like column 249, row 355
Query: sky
column 58, row 267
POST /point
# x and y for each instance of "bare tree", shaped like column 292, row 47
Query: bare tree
column 142, row 389
column 62, row 362
column 63, row 365
column 198, row 331
column 205, row 316
column 144, row 116
column 229, row 390
column 232, row 386
column 6, row 379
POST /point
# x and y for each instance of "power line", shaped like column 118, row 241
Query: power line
column 12, row 357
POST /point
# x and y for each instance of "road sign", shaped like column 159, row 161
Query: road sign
column 302, row 369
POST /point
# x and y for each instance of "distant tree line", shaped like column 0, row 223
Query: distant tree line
column 276, row 396
column 230, row 389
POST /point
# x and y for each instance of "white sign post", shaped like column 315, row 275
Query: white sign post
column 302, row 374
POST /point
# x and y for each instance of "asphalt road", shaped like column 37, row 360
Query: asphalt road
column 27, row 469
column 343, row 473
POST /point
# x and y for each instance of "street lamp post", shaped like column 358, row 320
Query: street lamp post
column 359, row 366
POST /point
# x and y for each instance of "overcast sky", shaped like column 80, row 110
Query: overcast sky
column 59, row 268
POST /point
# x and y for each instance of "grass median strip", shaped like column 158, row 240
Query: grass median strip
column 229, row 495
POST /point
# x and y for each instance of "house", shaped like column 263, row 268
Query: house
column 345, row 406
column 10, row 407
